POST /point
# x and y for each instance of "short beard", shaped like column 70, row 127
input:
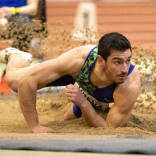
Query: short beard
column 119, row 82
column 106, row 71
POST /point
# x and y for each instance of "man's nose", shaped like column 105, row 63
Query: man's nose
column 125, row 68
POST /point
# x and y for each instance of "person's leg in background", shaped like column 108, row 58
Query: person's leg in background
column 20, row 31
column 29, row 32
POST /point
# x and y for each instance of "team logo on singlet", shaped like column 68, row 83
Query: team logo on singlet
column 94, row 102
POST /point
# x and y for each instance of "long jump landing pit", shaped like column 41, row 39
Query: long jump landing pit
column 75, row 135
column 139, row 137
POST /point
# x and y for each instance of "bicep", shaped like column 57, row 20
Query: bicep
column 50, row 70
column 70, row 62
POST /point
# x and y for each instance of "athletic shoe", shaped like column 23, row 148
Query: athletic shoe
column 6, row 53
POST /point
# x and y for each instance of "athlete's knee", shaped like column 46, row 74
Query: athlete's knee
column 12, row 81
column 17, row 80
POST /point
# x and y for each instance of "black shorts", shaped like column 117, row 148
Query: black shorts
column 62, row 81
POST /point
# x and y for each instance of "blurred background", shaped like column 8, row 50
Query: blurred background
column 136, row 19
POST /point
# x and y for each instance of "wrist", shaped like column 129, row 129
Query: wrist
column 15, row 11
column 84, row 104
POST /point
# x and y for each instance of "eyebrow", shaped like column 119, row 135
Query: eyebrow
column 118, row 58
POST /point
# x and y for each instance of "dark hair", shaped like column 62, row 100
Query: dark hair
column 112, row 41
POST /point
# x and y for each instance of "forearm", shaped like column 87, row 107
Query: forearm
column 75, row 95
column 31, row 118
column 91, row 116
column 116, row 118
column 27, row 100
column 29, row 10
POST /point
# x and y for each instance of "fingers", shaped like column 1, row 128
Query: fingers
column 71, row 92
column 42, row 129
column 71, row 88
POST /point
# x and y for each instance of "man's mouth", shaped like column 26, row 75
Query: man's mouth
column 123, row 76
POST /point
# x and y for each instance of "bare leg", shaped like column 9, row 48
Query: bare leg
column 15, row 74
column 16, row 62
column 19, row 78
column 27, row 79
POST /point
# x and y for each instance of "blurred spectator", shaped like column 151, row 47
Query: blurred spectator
column 23, row 21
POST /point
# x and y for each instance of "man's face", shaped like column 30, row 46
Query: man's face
column 117, row 65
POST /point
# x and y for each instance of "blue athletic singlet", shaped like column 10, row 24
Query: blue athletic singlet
column 99, row 95
column 13, row 3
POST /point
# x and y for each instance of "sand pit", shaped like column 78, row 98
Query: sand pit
column 52, row 106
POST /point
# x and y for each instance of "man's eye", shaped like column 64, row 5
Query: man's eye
column 118, row 62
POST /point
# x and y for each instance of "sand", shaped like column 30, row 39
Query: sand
column 51, row 107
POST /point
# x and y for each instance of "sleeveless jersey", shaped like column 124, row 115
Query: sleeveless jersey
column 96, row 96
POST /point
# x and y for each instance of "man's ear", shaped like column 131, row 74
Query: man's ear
column 100, row 60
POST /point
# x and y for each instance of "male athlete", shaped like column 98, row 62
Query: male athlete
column 94, row 76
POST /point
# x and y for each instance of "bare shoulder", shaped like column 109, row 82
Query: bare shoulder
column 133, row 80
column 85, row 50
column 81, row 51
column 73, row 60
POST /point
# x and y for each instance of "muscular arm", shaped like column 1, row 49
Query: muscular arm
column 31, row 78
column 75, row 95
column 125, row 96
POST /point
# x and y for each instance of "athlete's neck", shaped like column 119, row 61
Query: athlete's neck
column 99, row 78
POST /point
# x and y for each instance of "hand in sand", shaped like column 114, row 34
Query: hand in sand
column 41, row 129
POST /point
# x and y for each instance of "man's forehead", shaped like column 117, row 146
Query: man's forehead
column 118, row 54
